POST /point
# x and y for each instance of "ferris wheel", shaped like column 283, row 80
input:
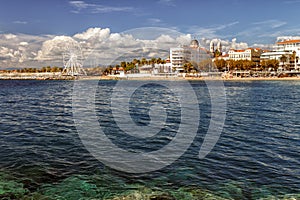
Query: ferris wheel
column 73, row 60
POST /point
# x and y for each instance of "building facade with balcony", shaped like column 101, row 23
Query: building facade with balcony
column 178, row 57
column 287, row 52
column 184, row 54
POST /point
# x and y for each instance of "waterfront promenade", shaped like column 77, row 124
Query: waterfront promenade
column 58, row 76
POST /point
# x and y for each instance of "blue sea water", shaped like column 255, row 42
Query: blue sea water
column 256, row 156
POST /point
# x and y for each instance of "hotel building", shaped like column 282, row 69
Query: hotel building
column 251, row 54
column 183, row 54
column 287, row 48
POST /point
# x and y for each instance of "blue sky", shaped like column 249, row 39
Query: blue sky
column 250, row 21
column 35, row 31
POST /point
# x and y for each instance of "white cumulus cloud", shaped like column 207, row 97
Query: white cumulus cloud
column 93, row 33
column 96, row 45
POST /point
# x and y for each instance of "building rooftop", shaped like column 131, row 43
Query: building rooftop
column 243, row 50
column 289, row 42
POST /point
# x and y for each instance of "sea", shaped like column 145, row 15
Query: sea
column 57, row 142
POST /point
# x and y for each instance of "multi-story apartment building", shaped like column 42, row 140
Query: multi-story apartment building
column 289, row 48
column 289, row 45
column 183, row 54
column 178, row 57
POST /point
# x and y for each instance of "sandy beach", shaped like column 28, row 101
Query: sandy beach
column 249, row 79
column 51, row 76
column 197, row 78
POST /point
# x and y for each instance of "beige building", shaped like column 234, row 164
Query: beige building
column 251, row 54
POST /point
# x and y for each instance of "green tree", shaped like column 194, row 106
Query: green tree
column 143, row 61
column 159, row 60
column 270, row 64
column 153, row 60
column 188, row 67
column 129, row 66
column 217, row 53
column 54, row 69
column 108, row 70
column 248, row 64
column 283, row 59
column 123, row 64
column 136, row 61
column 220, row 64
column 48, row 69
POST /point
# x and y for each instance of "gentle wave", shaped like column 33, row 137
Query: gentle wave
column 259, row 143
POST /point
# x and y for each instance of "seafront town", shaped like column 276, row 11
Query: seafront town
column 186, row 61
column 196, row 61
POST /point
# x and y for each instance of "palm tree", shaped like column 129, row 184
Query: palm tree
column 144, row 61
column 270, row 64
column 153, row 60
column 123, row 65
column 293, row 59
column 159, row 60
column 283, row 59
column 117, row 68
column 188, row 67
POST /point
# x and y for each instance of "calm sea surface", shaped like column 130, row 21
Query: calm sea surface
column 257, row 155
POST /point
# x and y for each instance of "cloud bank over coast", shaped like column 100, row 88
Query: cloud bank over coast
column 97, row 44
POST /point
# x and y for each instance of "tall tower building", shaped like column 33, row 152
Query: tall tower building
column 219, row 46
column 212, row 47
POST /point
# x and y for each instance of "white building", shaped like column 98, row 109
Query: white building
column 286, row 47
column 156, row 69
column 251, row 54
column 181, row 55
column 271, row 55
column 178, row 57
column 224, row 56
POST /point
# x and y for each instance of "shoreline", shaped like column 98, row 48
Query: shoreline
column 202, row 78
column 153, row 78
column 251, row 79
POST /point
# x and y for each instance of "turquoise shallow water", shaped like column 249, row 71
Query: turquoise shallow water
column 257, row 155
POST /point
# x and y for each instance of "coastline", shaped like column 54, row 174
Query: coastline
column 250, row 79
column 200, row 78
column 153, row 78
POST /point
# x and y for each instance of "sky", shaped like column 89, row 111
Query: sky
column 33, row 32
